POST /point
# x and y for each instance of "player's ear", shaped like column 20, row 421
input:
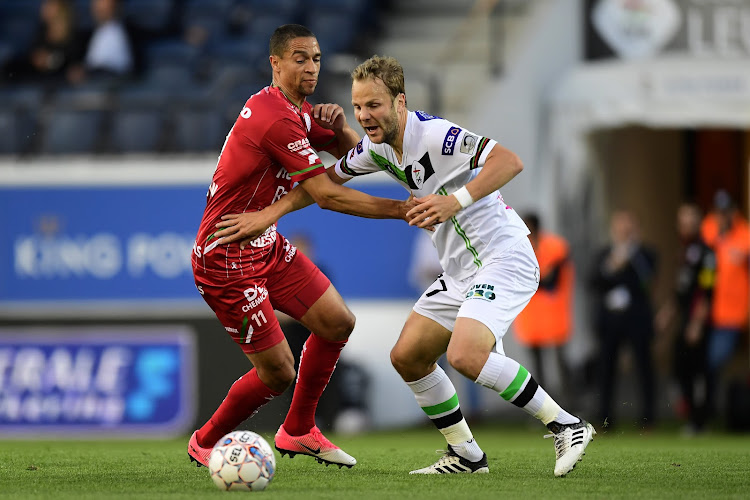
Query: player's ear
column 274, row 60
column 400, row 101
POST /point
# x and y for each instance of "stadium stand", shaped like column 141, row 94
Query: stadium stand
column 196, row 63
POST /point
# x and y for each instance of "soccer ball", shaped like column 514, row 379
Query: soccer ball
column 242, row 461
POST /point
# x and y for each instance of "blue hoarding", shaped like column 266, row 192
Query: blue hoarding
column 84, row 245
column 111, row 381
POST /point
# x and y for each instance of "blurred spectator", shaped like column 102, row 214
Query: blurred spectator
column 57, row 43
column 621, row 280
column 546, row 323
column 109, row 51
column 690, row 306
column 728, row 234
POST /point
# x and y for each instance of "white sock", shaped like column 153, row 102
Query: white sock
column 437, row 397
column 514, row 384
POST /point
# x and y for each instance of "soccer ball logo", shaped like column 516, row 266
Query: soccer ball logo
column 242, row 460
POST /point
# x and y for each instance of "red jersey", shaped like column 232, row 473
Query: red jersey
column 270, row 147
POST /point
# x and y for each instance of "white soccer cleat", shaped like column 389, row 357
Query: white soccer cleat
column 451, row 463
column 571, row 441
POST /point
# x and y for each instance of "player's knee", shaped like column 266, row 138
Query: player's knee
column 339, row 327
column 278, row 377
column 463, row 361
column 410, row 366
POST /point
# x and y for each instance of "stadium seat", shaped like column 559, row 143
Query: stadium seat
column 136, row 131
column 238, row 52
column 171, row 52
column 19, row 112
column 260, row 27
column 199, row 130
column 335, row 31
column 151, row 16
column 18, row 29
column 72, row 131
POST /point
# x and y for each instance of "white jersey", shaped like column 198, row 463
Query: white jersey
column 440, row 157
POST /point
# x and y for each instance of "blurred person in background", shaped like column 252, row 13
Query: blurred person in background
column 545, row 324
column 490, row 275
column 109, row 51
column 727, row 233
column 690, row 306
column 622, row 279
column 271, row 146
column 57, row 44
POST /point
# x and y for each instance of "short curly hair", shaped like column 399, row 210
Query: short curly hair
column 385, row 68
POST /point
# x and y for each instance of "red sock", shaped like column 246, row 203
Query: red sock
column 319, row 358
column 246, row 395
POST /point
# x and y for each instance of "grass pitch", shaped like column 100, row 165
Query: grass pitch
column 617, row 465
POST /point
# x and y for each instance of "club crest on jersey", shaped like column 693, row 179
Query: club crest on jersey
column 450, row 140
column 418, row 172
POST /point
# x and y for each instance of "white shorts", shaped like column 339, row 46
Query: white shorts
column 495, row 295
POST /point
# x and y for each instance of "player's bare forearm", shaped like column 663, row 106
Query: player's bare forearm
column 500, row 167
column 330, row 195
column 247, row 226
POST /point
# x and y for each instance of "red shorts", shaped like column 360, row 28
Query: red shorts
column 245, row 303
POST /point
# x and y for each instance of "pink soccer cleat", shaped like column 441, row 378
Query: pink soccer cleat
column 197, row 453
column 313, row 444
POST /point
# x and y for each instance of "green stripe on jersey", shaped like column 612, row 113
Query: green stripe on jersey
column 462, row 234
column 313, row 167
column 384, row 164
column 516, row 385
column 443, row 407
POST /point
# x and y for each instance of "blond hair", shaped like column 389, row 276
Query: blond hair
column 385, row 68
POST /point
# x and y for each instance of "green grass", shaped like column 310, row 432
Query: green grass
column 620, row 465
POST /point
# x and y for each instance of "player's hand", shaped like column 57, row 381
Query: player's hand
column 406, row 207
column 244, row 227
column 330, row 116
column 433, row 209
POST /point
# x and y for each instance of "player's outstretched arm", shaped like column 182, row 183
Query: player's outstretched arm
column 499, row 168
column 333, row 196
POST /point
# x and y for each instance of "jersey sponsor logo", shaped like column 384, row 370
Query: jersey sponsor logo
column 419, row 171
column 231, row 330
column 283, row 174
column 299, row 145
column 468, row 143
column 254, row 296
column 423, row 117
column 482, row 291
column 246, row 113
column 359, row 147
column 267, row 238
column 450, row 141
column 290, row 250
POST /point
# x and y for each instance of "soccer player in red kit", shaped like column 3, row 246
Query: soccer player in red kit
column 271, row 146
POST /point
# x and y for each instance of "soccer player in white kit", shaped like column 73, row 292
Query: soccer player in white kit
column 490, row 275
